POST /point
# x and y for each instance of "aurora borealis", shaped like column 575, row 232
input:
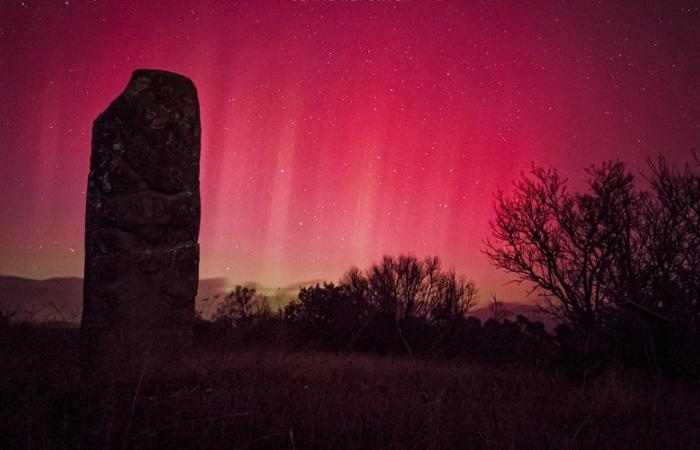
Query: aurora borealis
column 338, row 131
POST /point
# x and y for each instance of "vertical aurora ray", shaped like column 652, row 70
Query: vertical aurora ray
column 334, row 132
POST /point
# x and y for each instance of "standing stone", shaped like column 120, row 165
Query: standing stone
column 142, row 226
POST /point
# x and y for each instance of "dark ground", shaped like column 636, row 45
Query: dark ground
column 270, row 398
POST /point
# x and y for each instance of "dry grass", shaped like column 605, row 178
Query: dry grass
column 269, row 398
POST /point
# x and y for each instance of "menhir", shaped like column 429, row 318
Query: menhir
column 142, row 226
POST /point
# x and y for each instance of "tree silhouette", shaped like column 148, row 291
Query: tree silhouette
column 611, row 245
column 326, row 314
column 406, row 287
column 670, row 226
column 396, row 305
column 563, row 243
column 240, row 306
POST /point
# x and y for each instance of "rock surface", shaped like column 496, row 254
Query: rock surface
column 142, row 224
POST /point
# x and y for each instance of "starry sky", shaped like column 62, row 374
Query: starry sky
column 338, row 131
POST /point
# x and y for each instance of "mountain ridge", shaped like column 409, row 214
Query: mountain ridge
column 59, row 299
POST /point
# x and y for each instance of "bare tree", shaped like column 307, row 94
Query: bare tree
column 454, row 296
column 240, row 306
column 583, row 251
column 561, row 242
column 670, row 230
column 403, row 286
column 408, row 287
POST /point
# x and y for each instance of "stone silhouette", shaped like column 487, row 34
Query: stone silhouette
column 142, row 224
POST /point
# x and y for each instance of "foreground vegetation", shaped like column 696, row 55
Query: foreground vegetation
column 243, row 397
column 616, row 263
column 388, row 357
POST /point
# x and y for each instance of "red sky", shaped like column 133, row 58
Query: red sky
column 338, row 131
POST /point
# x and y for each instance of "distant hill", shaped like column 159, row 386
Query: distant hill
column 53, row 299
column 61, row 299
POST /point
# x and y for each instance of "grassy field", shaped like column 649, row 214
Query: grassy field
column 268, row 398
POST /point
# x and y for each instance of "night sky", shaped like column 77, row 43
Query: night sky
column 336, row 132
